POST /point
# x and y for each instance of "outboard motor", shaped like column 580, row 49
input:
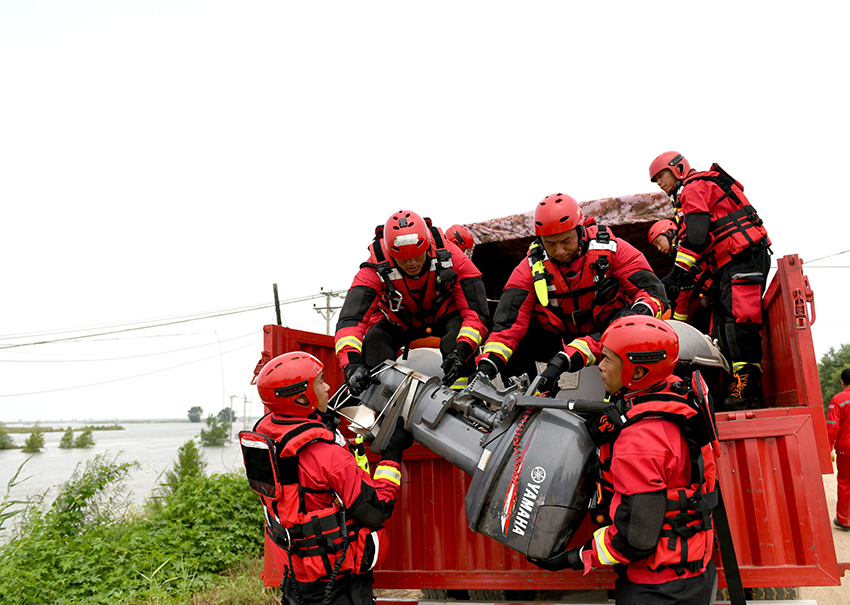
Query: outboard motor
column 529, row 457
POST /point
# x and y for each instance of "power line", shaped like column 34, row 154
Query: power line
column 199, row 314
column 169, row 323
column 94, row 384
column 206, row 344
column 185, row 319
column 825, row 257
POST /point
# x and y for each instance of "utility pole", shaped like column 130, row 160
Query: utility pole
column 328, row 311
column 244, row 406
column 230, row 435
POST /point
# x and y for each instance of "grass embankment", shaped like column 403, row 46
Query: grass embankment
column 197, row 541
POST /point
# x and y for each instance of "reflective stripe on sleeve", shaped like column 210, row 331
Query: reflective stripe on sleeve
column 499, row 349
column 349, row 341
column 685, row 260
column 388, row 473
column 605, row 556
column 589, row 358
column 470, row 333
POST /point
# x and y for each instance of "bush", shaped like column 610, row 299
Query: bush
column 190, row 463
column 35, row 442
column 6, row 442
column 67, row 441
column 89, row 548
column 85, row 438
column 216, row 434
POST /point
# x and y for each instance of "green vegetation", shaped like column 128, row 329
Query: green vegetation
column 829, row 371
column 190, row 463
column 216, row 434
column 6, row 442
column 35, row 442
column 85, row 438
column 7, row 503
column 227, row 415
column 195, row 413
column 53, row 429
column 67, row 441
column 200, row 545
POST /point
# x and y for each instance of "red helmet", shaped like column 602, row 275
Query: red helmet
column 406, row 235
column 665, row 226
column 669, row 160
column 286, row 377
column 557, row 213
column 643, row 341
column 460, row 237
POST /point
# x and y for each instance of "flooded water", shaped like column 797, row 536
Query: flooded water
column 154, row 445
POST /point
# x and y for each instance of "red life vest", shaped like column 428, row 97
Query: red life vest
column 397, row 302
column 735, row 231
column 316, row 545
column 572, row 300
column 688, row 508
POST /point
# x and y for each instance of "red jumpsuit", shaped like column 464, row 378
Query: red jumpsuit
column 522, row 323
column 838, row 427
column 648, row 465
column 371, row 328
column 722, row 234
column 324, row 466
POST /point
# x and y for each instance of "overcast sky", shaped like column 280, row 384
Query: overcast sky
column 165, row 160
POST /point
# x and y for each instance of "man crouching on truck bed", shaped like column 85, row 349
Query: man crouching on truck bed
column 311, row 487
column 654, row 510
column 415, row 284
column 575, row 280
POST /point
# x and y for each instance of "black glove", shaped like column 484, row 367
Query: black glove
column 453, row 363
column 678, row 277
column 559, row 364
column 400, row 440
column 357, row 377
column 673, row 282
column 569, row 559
column 691, row 279
column 488, row 368
column 604, row 426
column 606, row 290
column 641, row 308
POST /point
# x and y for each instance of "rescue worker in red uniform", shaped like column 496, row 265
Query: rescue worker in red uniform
column 415, row 284
column 721, row 233
column 691, row 304
column 462, row 238
column 575, row 280
column 838, row 428
column 656, row 527
column 324, row 513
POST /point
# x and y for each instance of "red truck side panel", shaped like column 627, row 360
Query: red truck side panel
column 770, row 470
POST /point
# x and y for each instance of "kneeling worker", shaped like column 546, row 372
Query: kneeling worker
column 659, row 485
column 415, row 284
column 323, row 512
